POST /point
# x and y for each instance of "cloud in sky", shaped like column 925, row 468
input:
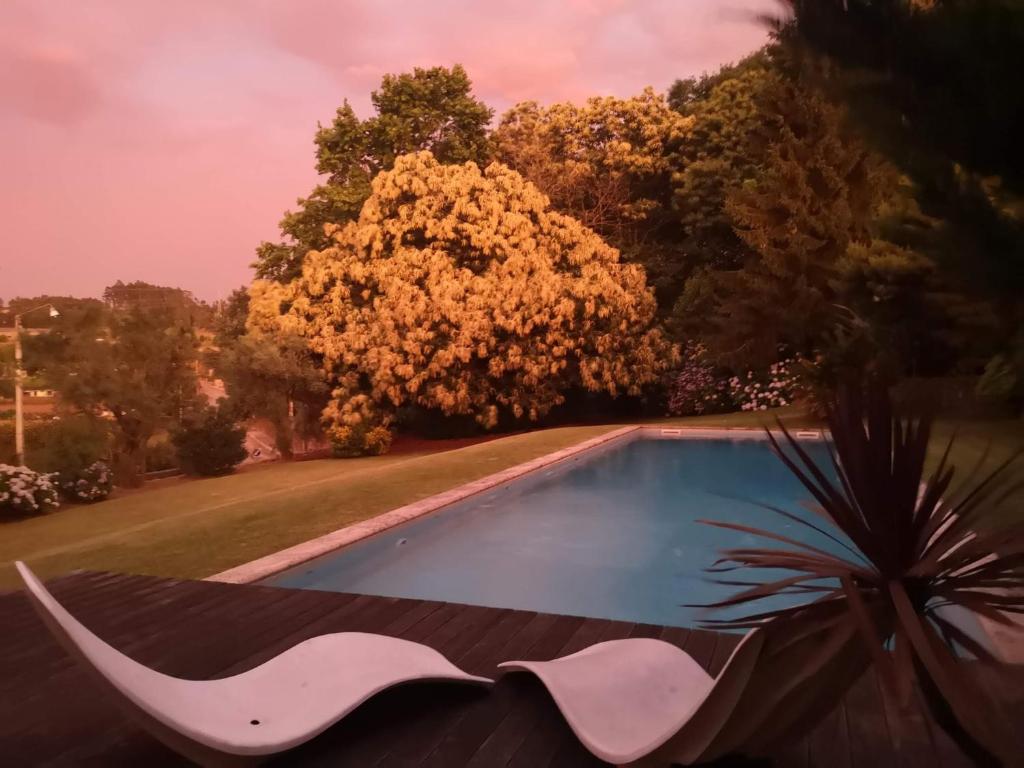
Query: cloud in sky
column 162, row 141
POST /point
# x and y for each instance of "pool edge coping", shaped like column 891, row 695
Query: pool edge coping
column 282, row 560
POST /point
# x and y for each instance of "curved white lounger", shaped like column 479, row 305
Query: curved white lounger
column 626, row 698
column 271, row 708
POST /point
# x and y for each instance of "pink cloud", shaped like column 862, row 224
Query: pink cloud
column 48, row 85
column 162, row 141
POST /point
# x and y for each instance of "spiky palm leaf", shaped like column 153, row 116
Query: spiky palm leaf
column 918, row 545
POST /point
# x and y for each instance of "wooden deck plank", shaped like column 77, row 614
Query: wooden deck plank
column 910, row 738
column 438, row 723
column 188, row 650
column 50, row 713
column 469, row 732
column 829, row 744
column 700, row 644
column 56, row 674
column 526, row 732
column 870, row 741
column 946, row 750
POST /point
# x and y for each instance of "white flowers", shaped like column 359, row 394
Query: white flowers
column 25, row 492
column 696, row 389
column 90, row 484
column 753, row 394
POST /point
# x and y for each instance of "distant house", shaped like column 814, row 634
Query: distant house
column 41, row 393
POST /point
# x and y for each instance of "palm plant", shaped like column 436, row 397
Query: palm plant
column 918, row 545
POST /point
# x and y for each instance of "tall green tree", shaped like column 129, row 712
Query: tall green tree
column 813, row 197
column 608, row 163
column 174, row 304
column 934, row 86
column 276, row 379
column 814, row 224
column 135, row 368
column 230, row 318
column 428, row 109
column 63, row 304
column 719, row 157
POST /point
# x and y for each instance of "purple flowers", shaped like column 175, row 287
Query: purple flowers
column 696, row 389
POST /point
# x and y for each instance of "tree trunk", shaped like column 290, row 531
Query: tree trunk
column 284, row 437
column 126, row 473
column 130, row 463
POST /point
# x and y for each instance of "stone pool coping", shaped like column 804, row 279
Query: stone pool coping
column 267, row 566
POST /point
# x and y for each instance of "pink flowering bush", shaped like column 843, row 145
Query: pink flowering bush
column 695, row 388
column 25, row 492
column 773, row 389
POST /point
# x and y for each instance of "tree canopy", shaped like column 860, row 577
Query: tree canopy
column 725, row 150
column 137, row 367
column 934, row 86
column 608, row 163
column 175, row 303
column 428, row 109
column 461, row 290
column 824, row 224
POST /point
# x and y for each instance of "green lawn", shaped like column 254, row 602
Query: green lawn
column 197, row 528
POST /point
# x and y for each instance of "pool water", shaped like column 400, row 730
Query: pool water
column 612, row 534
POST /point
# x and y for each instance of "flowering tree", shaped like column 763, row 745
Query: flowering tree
column 460, row 290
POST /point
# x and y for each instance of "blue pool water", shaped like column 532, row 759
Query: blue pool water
column 612, row 534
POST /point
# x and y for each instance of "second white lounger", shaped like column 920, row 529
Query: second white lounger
column 646, row 702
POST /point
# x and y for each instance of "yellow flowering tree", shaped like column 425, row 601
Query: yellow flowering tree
column 461, row 290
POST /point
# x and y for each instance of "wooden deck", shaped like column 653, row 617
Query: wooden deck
column 50, row 713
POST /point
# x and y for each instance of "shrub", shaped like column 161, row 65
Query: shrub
column 211, row 443
column 756, row 392
column 919, row 542
column 68, row 445
column 160, row 455
column 91, row 483
column 695, row 390
column 25, row 492
column 359, row 440
column 1000, row 382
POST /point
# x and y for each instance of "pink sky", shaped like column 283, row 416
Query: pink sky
column 161, row 141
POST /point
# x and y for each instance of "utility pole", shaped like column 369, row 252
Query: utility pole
column 19, row 416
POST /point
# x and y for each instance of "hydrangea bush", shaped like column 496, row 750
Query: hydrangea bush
column 25, row 492
column 93, row 483
column 695, row 388
column 757, row 392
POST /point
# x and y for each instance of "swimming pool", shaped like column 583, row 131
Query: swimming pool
column 612, row 534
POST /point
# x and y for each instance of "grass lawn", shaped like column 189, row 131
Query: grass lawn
column 197, row 528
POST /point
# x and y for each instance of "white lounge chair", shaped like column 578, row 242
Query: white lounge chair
column 646, row 702
column 269, row 709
